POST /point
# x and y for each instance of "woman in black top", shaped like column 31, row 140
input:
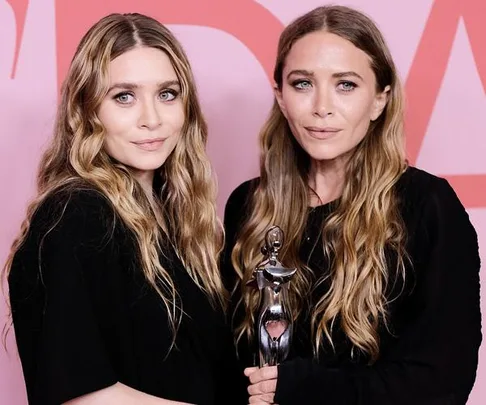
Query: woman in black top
column 115, row 293
column 386, row 297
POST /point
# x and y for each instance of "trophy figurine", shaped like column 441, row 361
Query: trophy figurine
column 274, row 323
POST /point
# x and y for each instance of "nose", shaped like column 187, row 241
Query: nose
column 150, row 116
column 323, row 104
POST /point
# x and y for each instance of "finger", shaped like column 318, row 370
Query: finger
column 263, row 387
column 250, row 370
column 261, row 399
column 264, row 373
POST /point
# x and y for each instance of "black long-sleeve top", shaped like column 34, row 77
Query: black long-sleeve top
column 429, row 354
column 85, row 317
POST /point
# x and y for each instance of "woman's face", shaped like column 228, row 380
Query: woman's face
column 143, row 112
column 329, row 95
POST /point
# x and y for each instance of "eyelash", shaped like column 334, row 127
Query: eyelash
column 172, row 92
column 353, row 85
column 117, row 97
column 347, row 82
column 296, row 84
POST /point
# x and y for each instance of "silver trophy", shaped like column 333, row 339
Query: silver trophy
column 274, row 323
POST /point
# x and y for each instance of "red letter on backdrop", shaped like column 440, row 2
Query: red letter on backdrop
column 246, row 20
column 19, row 8
column 427, row 73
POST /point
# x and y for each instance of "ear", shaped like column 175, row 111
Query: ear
column 280, row 101
column 381, row 99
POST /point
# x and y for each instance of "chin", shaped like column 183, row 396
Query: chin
column 144, row 166
column 322, row 155
column 325, row 152
column 149, row 167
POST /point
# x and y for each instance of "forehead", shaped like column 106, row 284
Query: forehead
column 141, row 64
column 324, row 50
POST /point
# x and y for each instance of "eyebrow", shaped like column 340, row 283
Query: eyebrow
column 337, row 75
column 134, row 86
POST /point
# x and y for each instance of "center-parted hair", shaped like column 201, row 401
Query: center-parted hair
column 365, row 221
column 76, row 159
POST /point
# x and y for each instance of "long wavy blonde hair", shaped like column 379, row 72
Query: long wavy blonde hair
column 76, row 159
column 365, row 222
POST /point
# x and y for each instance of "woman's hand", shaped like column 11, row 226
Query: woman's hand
column 263, row 383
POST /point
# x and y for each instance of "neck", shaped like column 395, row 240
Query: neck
column 326, row 180
column 146, row 179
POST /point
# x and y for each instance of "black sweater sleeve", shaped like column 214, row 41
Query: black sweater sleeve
column 235, row 214
column 56, row 279
column 434, row 359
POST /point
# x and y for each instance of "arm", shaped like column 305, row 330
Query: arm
column 119, row 394
column 234, row 215
column 434, row 359
column 60, row 286
column 231, row 384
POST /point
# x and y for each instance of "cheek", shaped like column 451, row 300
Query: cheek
column 179, row 119
column 115, row 120
column 117, row 127
column 357, row 113
column 297, row 106
column 173, row 121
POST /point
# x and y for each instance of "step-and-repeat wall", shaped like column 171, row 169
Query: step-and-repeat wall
column 438, row 45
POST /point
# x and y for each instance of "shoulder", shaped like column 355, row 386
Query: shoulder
column 76, row 214
column 238, row 206
column 69, row 230
column 418, row 184
column 75, row 200
column 418, row 189
column 243, row 191
column 432, row 209
column 240, row 197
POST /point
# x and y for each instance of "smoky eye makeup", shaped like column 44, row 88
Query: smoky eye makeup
column 346, row 86
column 123, row 97
column 169, row 94
column 301, row 84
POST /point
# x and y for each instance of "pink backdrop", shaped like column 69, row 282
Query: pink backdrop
column 439, row 47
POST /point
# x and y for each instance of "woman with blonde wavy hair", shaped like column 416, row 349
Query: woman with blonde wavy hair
column 114, row 286
column 386, row 295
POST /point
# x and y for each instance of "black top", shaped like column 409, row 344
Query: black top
column 432, row 356
column 85, row 317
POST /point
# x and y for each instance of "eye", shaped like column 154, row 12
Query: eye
column 302, row 84
column 124, row 98
column 347, row 86
column 168, row 95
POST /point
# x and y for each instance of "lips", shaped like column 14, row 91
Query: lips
column 322, row 132
column 149, row 144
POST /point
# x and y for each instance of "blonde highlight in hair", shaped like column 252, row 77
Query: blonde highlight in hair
column 76, row 159
column 365, row 224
